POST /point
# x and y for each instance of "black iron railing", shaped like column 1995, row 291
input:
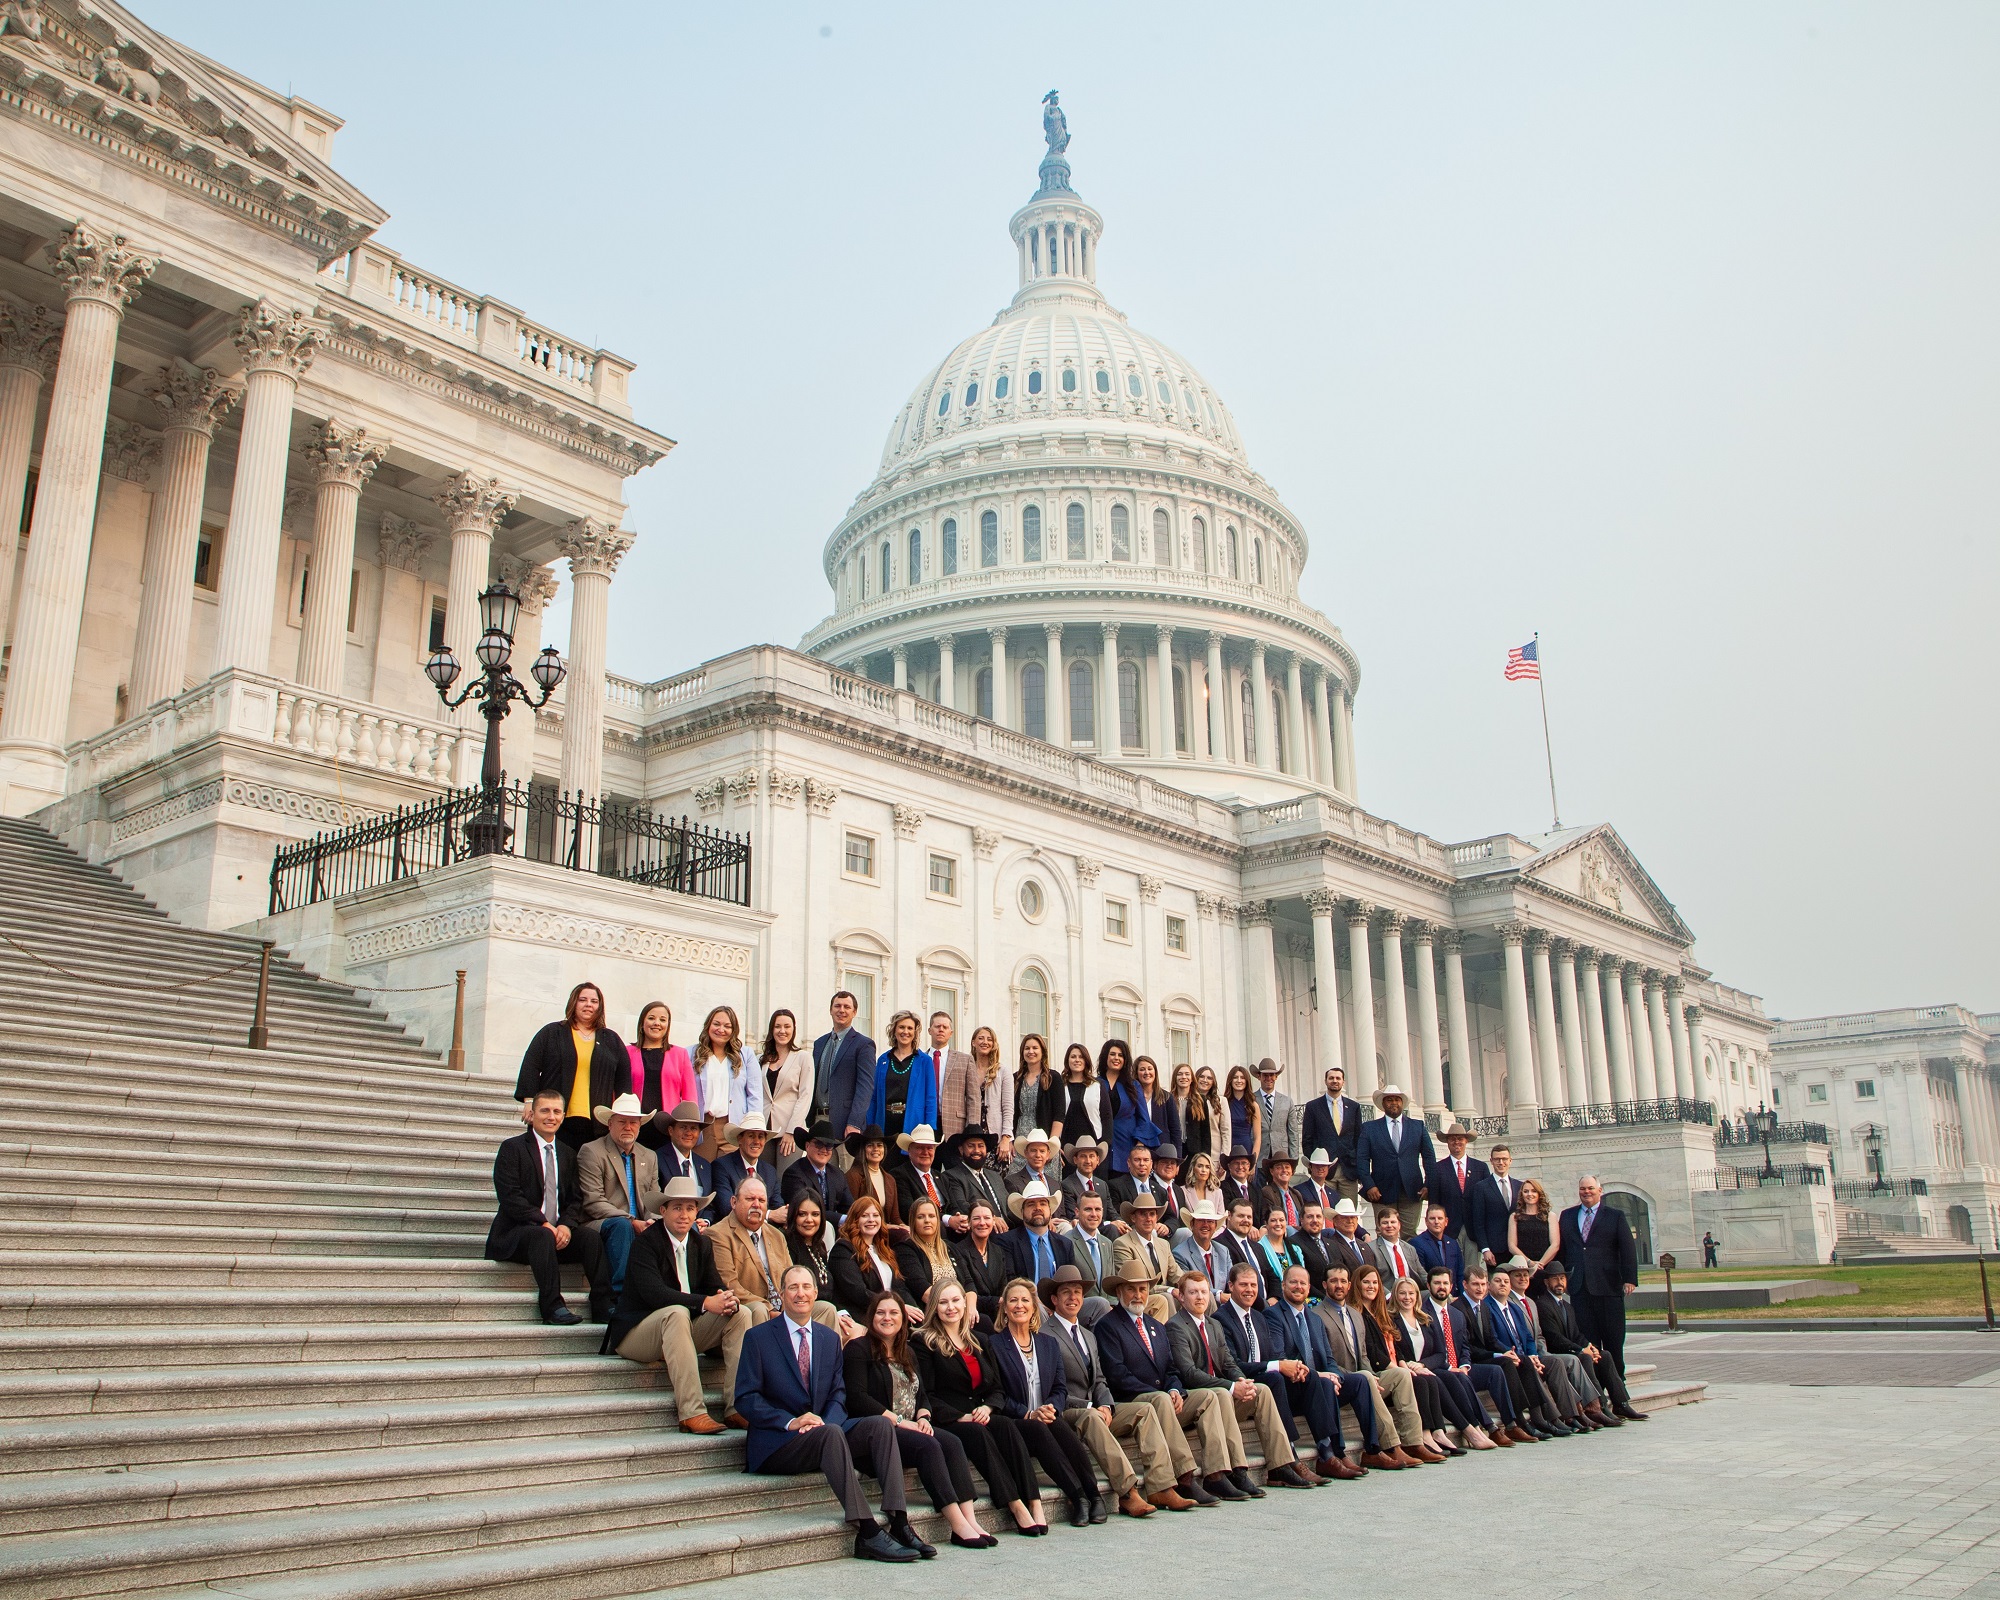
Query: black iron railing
column 565, row 830
column 1880, row 1189
column 1479, row 1127
column 1788, row 1174
column 1740, row 1133
column 1627, row 1113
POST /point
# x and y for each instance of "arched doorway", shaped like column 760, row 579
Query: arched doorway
column 1640, row 1215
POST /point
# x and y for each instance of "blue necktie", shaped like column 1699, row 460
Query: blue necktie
column 631, row 1188
column 1045, row 1262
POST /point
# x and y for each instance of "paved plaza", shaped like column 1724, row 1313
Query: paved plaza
column 1875, row 1473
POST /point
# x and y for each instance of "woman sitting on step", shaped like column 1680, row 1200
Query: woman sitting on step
column 550, row 1064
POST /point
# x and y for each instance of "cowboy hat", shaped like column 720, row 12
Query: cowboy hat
column 1317, row 1157
column 1346, row 1208
column 687, row 1111
column 922, row 1133
column 1267, row 1068
column 1389, row 1091
column 1035, row 1190
column 1064, row 1274
column 1455, row 1129
column 626, row 1105
column 1276, row 1156
column 1141, row 1202
column 1202, row 1210
column 1115, row 1279
column 872, row 1134
column 953, row 1149
column 819, row 1133
column 1237, row 1153
column 1518, row 1263
column 1166, row 1151
column 1033, row 1136
column 683, row 1189
column 753, row 1122
column 1083, row 1142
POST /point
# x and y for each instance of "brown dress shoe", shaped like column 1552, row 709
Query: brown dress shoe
column 736, row 1420
column 702, row 1422
column 1520, row 1435
column 1340, row 1467
column 1133, row 1504
column 1304, row 1470
column 1384, row 1461
column 1169, row 1500
column 1425, row 1454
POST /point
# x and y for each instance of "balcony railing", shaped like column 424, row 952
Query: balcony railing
column 1881, row 1188
column 629, row 843
column 1738, row 1133
column 1785, row 1175
column 1627, row 1113
column 1479, row 1127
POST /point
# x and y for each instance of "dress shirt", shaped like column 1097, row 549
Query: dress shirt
column 929, row 1185
column 680, row 1244
column 1045, row 1255
column 1589, row 1216
column 1253, row 1347
column 802, row 1352
column 1395, row 1127
column 551, row 1182
column 1399, row 1258
column 1073, row 1332
column 1092, row 1242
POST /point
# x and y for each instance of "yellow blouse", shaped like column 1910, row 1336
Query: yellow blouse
column 579, row 1086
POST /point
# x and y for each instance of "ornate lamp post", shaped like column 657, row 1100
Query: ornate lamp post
column 1871, row 1145
column 1765, row 1121
column 497, row 689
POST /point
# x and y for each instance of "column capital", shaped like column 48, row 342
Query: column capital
column 471, row 503
column 193, row 398
column 1358, row 913
column 986, row 841
column 1207, row 904
column 92, row 266
column 945, row 641
column 1512, row 933
column 1053, row 629
column 1215, row 639
column 130, row 451
column 1692, row 1012
column 1422, row 932
column 1631, row 972
column 1258, row 649
column 536, row 585
column 908, row 819
column 1087, row 869
column 1165, row 630
column 1561, row 948
column 1322, row 902
column 1655, row 978
column 1110, row 632
column 998, row 635
column 340, row 454
column 899, row 652
column 1254, row 913
column 1149, row 888
column 270, row 340
column 29, row 337
column 403, row 544
column 1676, row 985
column 1393, row 923
column 592, row 548
column 1538, row 938
column 1451, row 939
column 1586, row 956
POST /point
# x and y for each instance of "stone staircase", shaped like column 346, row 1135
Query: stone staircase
column 247, row 1344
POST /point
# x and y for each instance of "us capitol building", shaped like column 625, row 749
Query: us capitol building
column 1068, row 756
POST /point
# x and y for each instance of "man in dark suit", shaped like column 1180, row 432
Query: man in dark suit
column 843, row 1070
column 1563, row 1337
column 540, row 1217
column 1260, row 1355
column 1299, row 1337
column 1316, row 1187
column 1448, row 1312
column 1276, row 1194
column 1396, row 1157
column 815, row 1174
column 678, row 1158
column 1603, row 1260
column 917, row 1175
column 1034, row 1247
column 1310, row 1241
column 675, row 1306
column 1240, row 1180
column 791, row 1389
column 970, row 1178
column 1453, row 1179
column 1490, row 1204
column 741, row 1158
column 1437, row 1248
column 1202, row 1359
column 1494, row 1344
column 1167, row 1170
column 1139, row 1365
column 1138, row 1178
column 1346, row 1242
column 1333, row 1123
column 1080, row 1178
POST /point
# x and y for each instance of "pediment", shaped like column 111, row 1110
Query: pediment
column 1597, row 868
column 94, row 68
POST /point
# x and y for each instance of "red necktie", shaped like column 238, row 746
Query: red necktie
column 1205, row 1350
column 805, row 1362
column 931, row 1189
column 1450, row 1346
column 1396, row 1253
column 1145, row 1338
column 1291, row 1210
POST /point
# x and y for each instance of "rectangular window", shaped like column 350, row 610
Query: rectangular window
column 945, row 1000
column 944, row 876
column 1115, row 920
column 1864, row 1088
column 860, row 856
column 1180, row 1046
column 862, row 986
column 353, row 596
column 1816, row 1094
column 437, row 628
column 1177, row 935
column 207, row 562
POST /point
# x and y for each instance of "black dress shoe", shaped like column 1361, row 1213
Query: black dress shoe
column 1223, row 1488
column 1240, row 1476
column 878, row 1546
column 1098, row 1511
column 561, row 1317
column 986, row 1543
column 1079, row 1511
column 1633, row 1414
column 1197, row 1491
column 1287, row 1478
column 910, row 1539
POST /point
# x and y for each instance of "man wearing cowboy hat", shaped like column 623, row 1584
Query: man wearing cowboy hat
column 1080, row 1179
column 1346, row 1242
column 677, row 1156
column 1198, row 1250
column 620, row 1179
column 1139, row 1365
column 815, row 1174
column 969, row 1178
column 1035, row 1248
column 1280, row 1124
column 1102, row 1422
column 742, row 1156
column 675, row 1305
column 1316, row 1187
column 1240, row 1180
column 1453, row 1179
column 1396, row 1157
column 1276, row 1193
column 540, row 1218
column 1034, row 1148
column 1143, row 1252
column 917, row 1176
column 1332, row 1123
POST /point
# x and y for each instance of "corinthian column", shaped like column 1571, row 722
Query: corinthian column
column 192, row 400
column 1260, row 711
column 1684, row 1084
column 1612, row 971
column 594, row 552
column 1344, row 744
column 1514, row 1026
column 1056, row 696
column 1645, row 1084
column 1691, row 1014
column 1458, row 1034
column 101, row 276
column 947, row 694
column 1395, row 1005
column 1326, row 978
column 1663, row 1050
column 343, row 460
column 28, row 344
column 1164, row 744
column 998, row 637
column 1260, row 980
column 1295, row 717
column 1109, row 735
column 1577, row 1084
column 1546, row 1047
column 1218, row 730
column 472, row 507
column 277, row 347
column 1428, row 1055
column 1360, row 966
column 1323, row 733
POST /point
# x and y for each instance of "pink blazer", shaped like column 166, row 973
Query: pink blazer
column 676, row 1076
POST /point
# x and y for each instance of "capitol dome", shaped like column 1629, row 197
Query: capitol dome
column 1065, row 536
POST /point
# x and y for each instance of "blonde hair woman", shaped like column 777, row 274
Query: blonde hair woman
column 732, row 1084
column 906, row 1081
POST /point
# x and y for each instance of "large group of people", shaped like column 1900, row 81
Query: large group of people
column 1069, row 1271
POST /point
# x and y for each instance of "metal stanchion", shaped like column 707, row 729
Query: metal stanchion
column 456, row 1060
column 1673, row 1316
column 1985, row 1293
column 260, row 1024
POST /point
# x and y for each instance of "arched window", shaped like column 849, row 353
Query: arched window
column 1035, row 381
column 1279, row 752
column 1000, row 387
column 1181, row 711
column 1121, row 534
column 1082, row 704
column 1134, row 387
column 916, row 567
column 1128, row 704
column 1187, row 404
column 989, row 538
column 982, row 693
column 944, row 402
column 1034, row 1002
column 1031, row 533
column 1034, row 701
column 1257, row 561
column 948, row 546
column 1069, row 380
column 1166, row 394
column 1103, row 381
column 1235, row 566
column 1079, row 544
column 972, row 393
column 1163, row 539
column 1214, row 422
column 1249, row 726
column 1201, row 545
column 885, row 566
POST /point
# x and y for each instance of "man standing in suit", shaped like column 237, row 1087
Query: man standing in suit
column 1603, row 1260
column 968, row 1179
column 843, row 1070
column 1280, row 1125
column 1396, row 1157
column 1240, row 1180
column 1452, row 1181
column 540, row 1217
column 1392, row 1412
column 1095, row 1253
column 792, row 1391
column 1203, row 1362
column 1139, row 1365
column 1310, row 1242
column 1099, row 1420
column 1138, row 1178
column 1167, row 1171
column 1437, row 1248
column 620, row 1180
column 675, row 1306
column 1333, row 1123
column 1490, row 1204
column 1260, row 1356
column 959, row 1088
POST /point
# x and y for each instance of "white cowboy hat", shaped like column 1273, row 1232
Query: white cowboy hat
column 753, row 1122
column 1319, row 1157
column 1034, row 1136
column 1518, row 1263
column 1035, row 1190
column 922, row 1133
column 684, row 1189
column 1386, row 1091
column 626, row 1105
column 1346, row 1208
column 1203, row 1210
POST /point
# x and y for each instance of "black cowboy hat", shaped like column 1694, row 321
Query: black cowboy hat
column 872, row 1134
column 819, row 1133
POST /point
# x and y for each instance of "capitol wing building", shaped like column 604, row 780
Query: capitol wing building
column 1069, row 755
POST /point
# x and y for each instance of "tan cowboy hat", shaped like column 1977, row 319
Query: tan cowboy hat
column 1518, row 1263
column 922, row 1133
column 1034, row 1136
column 1318, row 1157
column 753, row 1122
column 1064, row 1274
column 1387, row 1091
column 1084, row 1142
column 1455, row 1129
column 687, row 1111
column 1141, row 1202
column 684, row 1189
column 1036, row 1190
column 626, row 1105
column 1203, row 1210
column 1267, row 1068
column 1115, row 1279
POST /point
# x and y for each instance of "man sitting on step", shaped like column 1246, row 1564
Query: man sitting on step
column 620, row 1179
column 540, row 1222
column 751, row 1258
column 675, row 1305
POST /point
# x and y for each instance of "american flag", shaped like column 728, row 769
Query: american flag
column 1524, row 661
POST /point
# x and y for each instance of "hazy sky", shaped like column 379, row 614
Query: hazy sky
column 1670, row 332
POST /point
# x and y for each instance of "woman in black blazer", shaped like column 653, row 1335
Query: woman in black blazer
column 882, row 1380
column 984, row 1264
column 1055, row 1445
column 1384, row 1350
column 859, row 1260
column 955, row 1366
column 550, row 1062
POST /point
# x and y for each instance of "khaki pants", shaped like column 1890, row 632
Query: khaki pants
column 1099, row 1438
column 673, row 1336
column 1261, row 1411
column 1217, row 1445
column 1396, row 1407
column 1175, row 1459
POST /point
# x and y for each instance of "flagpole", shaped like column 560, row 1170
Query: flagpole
column 1548, row 752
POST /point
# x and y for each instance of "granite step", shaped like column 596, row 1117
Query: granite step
column 154, row 1121
column 112, row 1047
column 58, row 1193
column 326, row 1306
column 173, row 1235
column 343, row 1092
column 71, row 1268
column 251, row 1165
column 72, row 1349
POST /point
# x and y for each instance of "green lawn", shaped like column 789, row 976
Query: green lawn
column 1926, row 1289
